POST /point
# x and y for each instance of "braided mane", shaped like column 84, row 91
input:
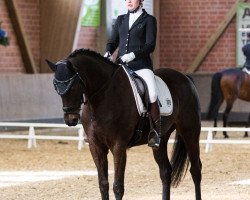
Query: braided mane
column 88, row 52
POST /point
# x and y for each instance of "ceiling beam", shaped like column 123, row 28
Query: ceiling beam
column 21, row 37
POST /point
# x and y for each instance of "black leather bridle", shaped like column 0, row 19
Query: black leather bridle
column 63, row 87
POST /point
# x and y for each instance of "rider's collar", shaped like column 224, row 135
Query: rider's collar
column 135, row 10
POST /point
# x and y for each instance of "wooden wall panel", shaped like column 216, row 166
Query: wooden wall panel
column 59, row 20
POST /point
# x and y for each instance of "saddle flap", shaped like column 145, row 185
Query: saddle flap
column 164, row 96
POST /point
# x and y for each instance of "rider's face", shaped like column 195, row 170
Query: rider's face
column 132, row 4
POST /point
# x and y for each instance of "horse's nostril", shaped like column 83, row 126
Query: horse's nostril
column 75, row 120
column 71, row 119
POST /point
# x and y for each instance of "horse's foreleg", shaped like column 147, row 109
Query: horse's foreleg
column 165, row 168
column 120, row 157
column 99, row 154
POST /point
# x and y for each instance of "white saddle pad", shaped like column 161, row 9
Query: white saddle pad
column 245, row 70
column 164, row 96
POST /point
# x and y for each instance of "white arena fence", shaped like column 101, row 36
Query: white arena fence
column 210, row 141
column 32, row 137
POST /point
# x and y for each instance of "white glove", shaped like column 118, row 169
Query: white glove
column 108, row 55
column 126, row 58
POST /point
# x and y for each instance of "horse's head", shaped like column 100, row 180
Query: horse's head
column 70, row 87
column 95, row 73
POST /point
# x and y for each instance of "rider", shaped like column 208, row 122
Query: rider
column 246, row 51
column 135, row 35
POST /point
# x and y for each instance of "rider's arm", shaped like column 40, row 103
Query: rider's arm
column 113, row 42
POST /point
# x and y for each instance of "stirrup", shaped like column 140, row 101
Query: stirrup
column 155, row 140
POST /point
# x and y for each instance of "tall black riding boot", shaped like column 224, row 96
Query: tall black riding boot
column 154, row 135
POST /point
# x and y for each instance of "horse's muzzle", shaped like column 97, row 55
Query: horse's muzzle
column 71, row 119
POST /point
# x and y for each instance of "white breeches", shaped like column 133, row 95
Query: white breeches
column 149, row 78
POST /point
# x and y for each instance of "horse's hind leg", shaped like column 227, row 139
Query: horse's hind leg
column 248, row 123
column 195, row 169
column 217, row 107
column 225, row 116
column 99, row 154
column 191, row 139
column 161, row 157
column 215, row 125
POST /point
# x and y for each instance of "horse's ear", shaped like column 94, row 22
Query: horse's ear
column 51, row 65
column 71, row 65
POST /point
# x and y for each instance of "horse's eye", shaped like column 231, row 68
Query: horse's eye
column 73, row 88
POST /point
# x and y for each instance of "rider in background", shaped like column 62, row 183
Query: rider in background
column 246, row 51
column 135, row 35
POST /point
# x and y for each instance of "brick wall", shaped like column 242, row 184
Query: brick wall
column 10, row 59
column 10, row 56
column 87, row 38
column 185, row 28
column 30, row 16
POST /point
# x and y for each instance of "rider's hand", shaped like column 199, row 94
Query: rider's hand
column 108, row 55
column 126, row 58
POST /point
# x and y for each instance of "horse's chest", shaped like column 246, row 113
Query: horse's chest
column 99, row 126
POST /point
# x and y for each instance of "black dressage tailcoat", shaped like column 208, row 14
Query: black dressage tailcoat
column 140, row 39
column 246, row 51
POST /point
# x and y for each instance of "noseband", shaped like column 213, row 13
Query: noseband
column 72, row 109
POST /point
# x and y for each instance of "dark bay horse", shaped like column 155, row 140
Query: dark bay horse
column 228, row 85
column 110, row 117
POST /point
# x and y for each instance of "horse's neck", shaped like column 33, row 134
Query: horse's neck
column 98, row 65
column 97, row 74
column 116, row 94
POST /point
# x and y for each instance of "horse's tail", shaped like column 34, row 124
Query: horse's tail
column 179, row 161
column 190, row 77
column 216, row 96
